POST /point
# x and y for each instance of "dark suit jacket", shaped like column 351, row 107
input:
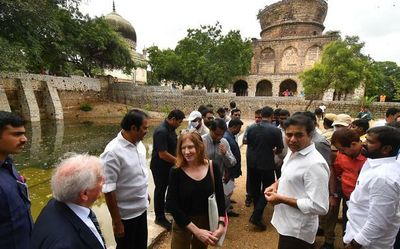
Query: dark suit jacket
column 58, row 227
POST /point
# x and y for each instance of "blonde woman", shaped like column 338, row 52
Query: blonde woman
column 190, row 185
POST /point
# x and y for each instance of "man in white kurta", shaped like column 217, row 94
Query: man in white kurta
column 301, row 194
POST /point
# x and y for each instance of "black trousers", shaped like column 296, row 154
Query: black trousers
column 135, row 233
column 160, row 177
column 287, row 242
column 259, row 180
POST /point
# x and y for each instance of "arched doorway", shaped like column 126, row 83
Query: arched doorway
column 240, row 88
column 288, row 88
column 264, row 88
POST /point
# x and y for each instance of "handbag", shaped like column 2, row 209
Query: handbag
column 213, row 216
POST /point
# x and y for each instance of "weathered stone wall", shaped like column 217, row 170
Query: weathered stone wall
column 38, row 97
column 165, row 98
column 293, row 18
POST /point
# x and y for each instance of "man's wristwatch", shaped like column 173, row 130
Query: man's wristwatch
column 221, row 222
column 334, row 195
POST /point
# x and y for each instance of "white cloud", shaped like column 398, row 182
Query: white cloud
column 164, row 23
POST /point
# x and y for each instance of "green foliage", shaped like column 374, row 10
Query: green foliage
column 53, row 36
column 166, row 109
column 342, row 67
column 385, row 80
column 204, row 58
column 86, row 107
column 147, row 107
column 366, row 101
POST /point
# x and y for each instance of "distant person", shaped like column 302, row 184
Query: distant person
column 263, row 142
column 15, row 216
column 223, row 115
column 390, row 116
column 301, row 194
column 236, row 114
column 232, row 105
column 283, row 116
column 320, row 117
column 373, row 209
column 327, row 124
column 234, row 172
column 257, row 120
column 191, row 182
column 126, row 184
column 163, row 158
column 360, row 126
column 219, row 151
column 208, row 117
column 364, row 114
column 67, row 220
column 275, row 117
column 196, row 123
column 322, row 107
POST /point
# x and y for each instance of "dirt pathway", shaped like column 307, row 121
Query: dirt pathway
column 243, row 235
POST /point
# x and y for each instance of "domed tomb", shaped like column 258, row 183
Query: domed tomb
column 291, row 18
column 122, row 26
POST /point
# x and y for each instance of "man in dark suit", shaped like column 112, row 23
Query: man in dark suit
column 67, row 221
column 15, row 218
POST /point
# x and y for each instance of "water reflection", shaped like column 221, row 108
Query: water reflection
column 48, row 141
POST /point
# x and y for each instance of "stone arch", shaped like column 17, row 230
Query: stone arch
column 267, row 61
column 288, row 86
column 241, row 87
column 312, row 55
column 264, row 88
column 290, row 59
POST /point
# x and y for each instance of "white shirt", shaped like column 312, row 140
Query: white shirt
column 380, row 122
column 305, row 176
column 126, row 173
column 373, row 214
column 83, row 214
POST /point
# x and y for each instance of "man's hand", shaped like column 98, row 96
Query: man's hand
column 119, row 230
column 222, row 149
column 273, row 188
column 273, row 197
column 219, row 232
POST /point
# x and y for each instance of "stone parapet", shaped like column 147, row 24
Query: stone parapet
column 73, row 83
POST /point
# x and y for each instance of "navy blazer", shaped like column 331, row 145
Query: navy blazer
column 58, row 227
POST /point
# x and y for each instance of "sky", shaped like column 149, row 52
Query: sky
column 164, row 22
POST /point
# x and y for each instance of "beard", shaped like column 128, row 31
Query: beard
column 373, row 154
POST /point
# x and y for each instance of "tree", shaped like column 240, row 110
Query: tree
column 342, row 67
column 54, row 36
column 204, row 58
column 386, row 80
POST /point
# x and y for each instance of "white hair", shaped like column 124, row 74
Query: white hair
column 73, row 174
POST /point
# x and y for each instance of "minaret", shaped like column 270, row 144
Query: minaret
column 113, row 6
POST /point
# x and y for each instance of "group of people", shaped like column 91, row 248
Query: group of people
column 303, row 164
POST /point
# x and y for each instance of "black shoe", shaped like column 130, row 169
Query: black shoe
column 248, row 202
column 259, row 224
column 320, row 232
column 232, row 214
column 164, row 223
column 327, row 246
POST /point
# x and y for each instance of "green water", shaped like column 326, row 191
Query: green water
column 48, row 141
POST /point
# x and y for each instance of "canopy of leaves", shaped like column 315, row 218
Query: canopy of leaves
column 204, row 58
column 342, row 67
column 53, row 36
column 385, row 80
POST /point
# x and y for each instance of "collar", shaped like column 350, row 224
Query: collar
column 168, row 126
column 8, row 159
column 379, row 161
column 307, row 149
column 82, row 212
column 125, row 142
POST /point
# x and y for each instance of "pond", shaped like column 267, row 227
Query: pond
column 48, row 141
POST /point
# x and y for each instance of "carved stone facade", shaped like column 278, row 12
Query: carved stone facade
column 291, row 41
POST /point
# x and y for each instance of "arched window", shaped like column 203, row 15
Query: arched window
column 290, row 60
column 240, row 88
column 264, row 88
column 288, row 88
